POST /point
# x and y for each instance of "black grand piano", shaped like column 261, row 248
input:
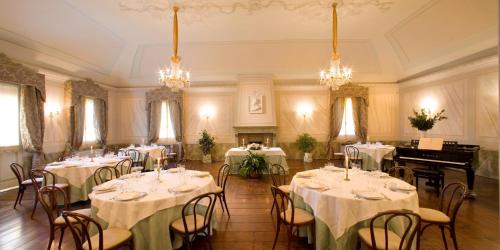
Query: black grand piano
column 452, row 155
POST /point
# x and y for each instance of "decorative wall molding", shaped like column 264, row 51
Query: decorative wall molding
column 196, row 11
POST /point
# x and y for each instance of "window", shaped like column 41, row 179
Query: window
column 347, row 129
column 9, row 108
column 166, row 126
column 89, row 136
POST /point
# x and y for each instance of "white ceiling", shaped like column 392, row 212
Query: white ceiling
column 124, row 42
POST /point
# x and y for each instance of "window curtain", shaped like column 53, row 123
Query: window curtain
column 32, row 100
column 359, row 97
column 75, row 93
column 360, row 115
column 154, row 98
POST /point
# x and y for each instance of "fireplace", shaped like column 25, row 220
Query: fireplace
column 261, row 135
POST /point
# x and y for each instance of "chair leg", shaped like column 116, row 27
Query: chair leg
column 22, row 194
column 290, row 235
column 225, row 204
column 358, row 244
column 416, row 182
column 453, row 236
column 221, row 202
column 444, row 237
column 18, row 195
column 313, row 234
column 61, row 238
column 278, row 225
column 51, row 238
column 34, row 206
column 272, row 208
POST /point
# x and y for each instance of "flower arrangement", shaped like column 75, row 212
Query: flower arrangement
column 254, row 146
column 253, row 165
column 424, row 120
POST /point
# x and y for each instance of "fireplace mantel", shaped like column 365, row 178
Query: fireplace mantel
column 255, row 134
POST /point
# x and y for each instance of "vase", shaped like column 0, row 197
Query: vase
column 423, row 133
column 206, row 158
column 308, row 157
column 255, row 174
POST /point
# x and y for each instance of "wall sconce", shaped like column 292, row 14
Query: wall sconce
column 429, row 104
column 305, row 110
column 207, row 111
column 52, row 109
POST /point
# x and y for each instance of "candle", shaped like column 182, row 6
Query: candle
column 243, row 142
column 267, row 142
column 158, row 160
column 346, row 168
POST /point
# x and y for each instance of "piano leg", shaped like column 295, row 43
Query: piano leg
column 470, row 183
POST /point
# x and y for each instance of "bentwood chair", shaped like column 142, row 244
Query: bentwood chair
column 278, row 177
column 48, row 179
column 224, row 172
column 48, row 197
column 22, row 182
column 104, row 174
column 123, row 167
column 353, row 154
column 196, row 218
column 135, row 156
column 403, row 173
column 142, row 166
column 383, row 238
column 111, row 238
column 452, row 197
column 290, row 216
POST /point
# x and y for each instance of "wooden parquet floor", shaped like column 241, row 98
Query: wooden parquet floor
column 251, row 225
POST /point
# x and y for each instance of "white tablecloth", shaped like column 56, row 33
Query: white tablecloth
column 76, row 172
column 268, row 152
column 377, row 152
column 339, row 208
column 154, row 151
column 125, row 214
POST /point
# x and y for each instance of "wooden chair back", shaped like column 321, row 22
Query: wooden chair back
column 18, row 172
column 135, row 155
column 79, row 228
column 452, row 197
column 283, row 202
column 49, row 178
column 203, row 205
column 224, row 172
column 104, row 174
column 48, row 197
column 123, row 167
column 353, row 154
column 410, row 228
column 278, row 175
column 403, row 173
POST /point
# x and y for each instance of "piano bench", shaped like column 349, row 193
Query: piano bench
column 435, row 177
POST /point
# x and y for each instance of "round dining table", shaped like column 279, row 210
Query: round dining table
column 78, row 173
column 159, row 202
column 341, row 207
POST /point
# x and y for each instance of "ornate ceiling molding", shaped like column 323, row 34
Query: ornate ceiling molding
column 197, row 10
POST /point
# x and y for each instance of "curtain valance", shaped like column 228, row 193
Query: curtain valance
column 86, row 88
column 163, row 94
column 17, row 73
column 350, row 90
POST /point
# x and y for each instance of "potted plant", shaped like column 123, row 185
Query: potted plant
column 306, row 144
column 207, row 143
column 253, row 165
column 424, row 120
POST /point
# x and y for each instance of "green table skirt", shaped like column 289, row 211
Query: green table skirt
column 153, row 232
column 80, row 193
column 369, row 163
column 324, row 238
column 235, row 161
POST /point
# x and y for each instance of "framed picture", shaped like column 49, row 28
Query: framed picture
column 256, row 104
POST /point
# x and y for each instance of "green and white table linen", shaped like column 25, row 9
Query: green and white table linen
column 234, row 157
column 154, row 154
column 149, row 217
column 339, row 211
column 373, row 155
column 78, row 173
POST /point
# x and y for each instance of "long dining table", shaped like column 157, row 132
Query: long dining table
column 147, row 203
column 342, row 207
column 78, row 173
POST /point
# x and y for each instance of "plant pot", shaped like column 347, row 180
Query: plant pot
column 206, row 158
column 254, row 174
column 308, row 157
column 422, row 133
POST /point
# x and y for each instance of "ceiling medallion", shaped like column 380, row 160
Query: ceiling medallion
column 336, row 75
column 197, row 10
column 174, row 77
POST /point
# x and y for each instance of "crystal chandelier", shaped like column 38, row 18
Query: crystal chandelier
column 174, row 77
column 336, row 76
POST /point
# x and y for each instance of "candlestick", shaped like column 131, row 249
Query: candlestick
column 158, row 169
column 346, row 163
column 243, row 142
column 267, row 142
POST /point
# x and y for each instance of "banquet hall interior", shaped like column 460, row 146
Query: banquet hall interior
column 249, row 124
